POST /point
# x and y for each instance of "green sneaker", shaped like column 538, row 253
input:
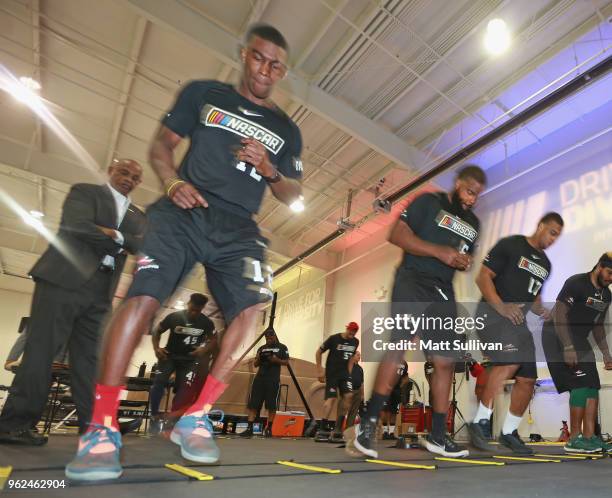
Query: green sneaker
column 605, row 447
column 580, row 444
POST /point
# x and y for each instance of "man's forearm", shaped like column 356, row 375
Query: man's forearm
column 561, row 325
column 599, row 334
column 487, row 288
column 403, row 237
column 155, row 340
column 318, row 355
column 161, row 157
column 286, row 190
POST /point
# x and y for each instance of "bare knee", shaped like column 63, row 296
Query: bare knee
column 525, row 382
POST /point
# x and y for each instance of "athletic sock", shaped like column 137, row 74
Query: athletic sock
column 339, row 423
column 511, row 423
column 483, row 412
column 212, row 390
column 438, row 425
column 106, row 404
column 324, row 425
column 375, row 405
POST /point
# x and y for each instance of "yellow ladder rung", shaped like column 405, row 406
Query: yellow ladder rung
column 186, row 471
column 464, row 460
column 312, row 468
column 526, row 459
column 570, row 457
column 5, row 473
column 402, row 465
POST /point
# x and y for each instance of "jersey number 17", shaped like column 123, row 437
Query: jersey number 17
column 534, row 286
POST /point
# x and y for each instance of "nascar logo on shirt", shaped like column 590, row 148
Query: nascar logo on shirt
column 456, row 225
column 533, row 268
column 219, row 118
column 596, row 304
column 188, row 331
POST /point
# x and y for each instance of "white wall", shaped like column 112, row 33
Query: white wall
column 13, row 305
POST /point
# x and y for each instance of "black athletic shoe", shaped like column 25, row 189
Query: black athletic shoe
column 248, row 433
column 156, row 425
column 445, row 447
column 322, row 436
column 480, row 434
column 515, row 443
column 268, row 432
column 23, row 438
column 336, row 438
column 365, row 435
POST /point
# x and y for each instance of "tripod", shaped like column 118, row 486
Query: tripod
column 455, row 407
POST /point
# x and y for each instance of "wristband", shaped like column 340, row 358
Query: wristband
column 275, row 178
column 568, row 348
column 171, row 183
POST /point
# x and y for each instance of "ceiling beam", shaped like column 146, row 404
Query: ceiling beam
column 37, row 139
column 186, row 22
column 126, row 87
column 254, row 16
column 323, row 29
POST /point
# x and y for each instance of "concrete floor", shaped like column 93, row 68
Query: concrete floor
column 248, row 469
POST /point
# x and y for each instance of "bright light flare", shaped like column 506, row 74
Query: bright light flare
column 297, row 206
column 497, row 39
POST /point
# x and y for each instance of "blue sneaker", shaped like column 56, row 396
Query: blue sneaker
column 195, row 436
column 91, row 466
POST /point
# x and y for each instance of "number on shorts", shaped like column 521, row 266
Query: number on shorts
column 534, row 286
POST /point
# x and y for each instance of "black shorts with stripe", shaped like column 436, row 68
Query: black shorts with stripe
column 229, row 246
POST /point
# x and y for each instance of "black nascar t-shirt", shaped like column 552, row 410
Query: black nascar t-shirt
column 186, row 335
column 520, row 269
column 341, row 351
column 267, row 369
column 587, row 304
column 433, row 218
column 216, row 117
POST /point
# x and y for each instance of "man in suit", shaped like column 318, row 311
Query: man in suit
column 75, row 279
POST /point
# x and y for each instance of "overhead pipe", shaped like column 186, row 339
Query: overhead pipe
column 571, row 87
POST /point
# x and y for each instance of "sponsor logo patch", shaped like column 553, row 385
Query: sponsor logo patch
column 146, row 263
column 218, row 118
column 456, row 225
column 533, row 268
column 596, row 304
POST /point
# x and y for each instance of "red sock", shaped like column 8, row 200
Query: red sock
column 213, row 389
column 106, row 404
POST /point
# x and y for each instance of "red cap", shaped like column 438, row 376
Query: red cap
column 352, row 326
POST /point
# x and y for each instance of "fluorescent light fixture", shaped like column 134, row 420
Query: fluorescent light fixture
column 30, row 84
column 497, row 39
column 297, row 206
column 33, row 221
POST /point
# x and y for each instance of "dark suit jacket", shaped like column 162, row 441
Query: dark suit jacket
column 73, row 258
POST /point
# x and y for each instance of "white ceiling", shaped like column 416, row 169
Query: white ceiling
column 378, row 88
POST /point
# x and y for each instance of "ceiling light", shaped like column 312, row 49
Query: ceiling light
column 497, row 39
column 179, row 305
column 297, row 206
column 30, row 84
column 33, row 221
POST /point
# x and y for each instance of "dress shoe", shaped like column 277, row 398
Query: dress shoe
column 23, row 437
